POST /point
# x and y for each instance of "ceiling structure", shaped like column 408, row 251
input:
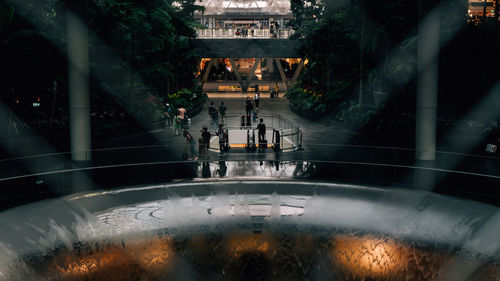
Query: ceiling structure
column 217, row 7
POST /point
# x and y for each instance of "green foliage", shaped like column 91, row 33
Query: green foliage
column 329, row 43
column 189, row 99
column 154, row 40
column 153, row 37
column 307, row 100
column 305, row 12
column 347, row 42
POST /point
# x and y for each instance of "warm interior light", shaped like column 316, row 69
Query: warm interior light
column 116, row 262
column 383, row 258
column 240, row 244
column 156, row 254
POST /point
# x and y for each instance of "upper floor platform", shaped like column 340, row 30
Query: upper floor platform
column 244, row 33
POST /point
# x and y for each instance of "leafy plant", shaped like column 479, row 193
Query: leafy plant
column 189, row 99
column 308, row 101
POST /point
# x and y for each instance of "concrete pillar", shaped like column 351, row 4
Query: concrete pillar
column 298, row 70
column 252, row 74
column 78, row 80
column 427, row 87
column 270, row 65
column 237, row 73
column 282, row 73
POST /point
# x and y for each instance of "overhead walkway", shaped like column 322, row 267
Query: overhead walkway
column 239, row 64
column 249, row 48
column 241, row 95
column 264, row 33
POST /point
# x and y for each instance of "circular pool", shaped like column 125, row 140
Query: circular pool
column 251, row 230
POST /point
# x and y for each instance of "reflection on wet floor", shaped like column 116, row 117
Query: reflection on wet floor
column 457, row 183
column 264, row 169
column 255, row 256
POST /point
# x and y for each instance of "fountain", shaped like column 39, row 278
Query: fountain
column 251, row 230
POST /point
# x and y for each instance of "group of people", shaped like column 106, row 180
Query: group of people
column 205, row 133
column 252, row 106
column 177, row 120
column 243, row 32
column 214, row 112
column 205, row 141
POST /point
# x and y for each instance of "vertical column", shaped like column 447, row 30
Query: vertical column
column 270, row 65
column 252, row 74
column 298, row 70
column 237, row 73
column 427, row 91
column 78, row 79
column 282, row 73
column 427, row 87
column 208, row 68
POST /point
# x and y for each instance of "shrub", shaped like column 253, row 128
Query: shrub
column 308, row 101
column 187, row 98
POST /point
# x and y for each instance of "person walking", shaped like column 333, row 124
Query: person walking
column 255, row 114
column 276, row 90
column 261, row 127
column 205, row 139
column 256, row 98
column 222, row 141
column 222, row 111
column 212, row 111
column 191, row 142
column 177, row 125
column 168, row 116
column 248, row 106
column 182, row 116
column 249, row 110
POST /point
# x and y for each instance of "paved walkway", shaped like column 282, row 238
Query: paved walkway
column 331, row 130
column 323, row 140
column 327, row 145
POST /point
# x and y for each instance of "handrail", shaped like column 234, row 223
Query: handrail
column 208, row 33
column 290, row 134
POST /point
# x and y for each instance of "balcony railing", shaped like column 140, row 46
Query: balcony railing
column 265, row 33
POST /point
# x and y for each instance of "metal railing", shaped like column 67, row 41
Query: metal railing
column 265, row 33
column 284, row 133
